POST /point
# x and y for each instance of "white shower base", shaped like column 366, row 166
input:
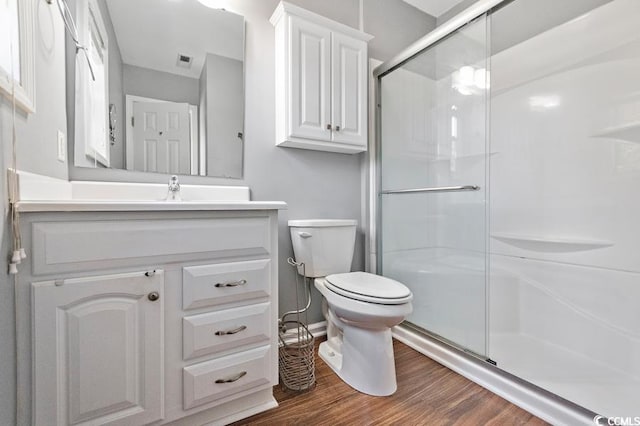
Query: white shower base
column 572, row 375
column 562, row 327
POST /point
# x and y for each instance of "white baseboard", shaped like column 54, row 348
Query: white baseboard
column 317, row 329
column 536, row 401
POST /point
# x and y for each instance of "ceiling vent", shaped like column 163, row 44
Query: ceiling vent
column 184, row 61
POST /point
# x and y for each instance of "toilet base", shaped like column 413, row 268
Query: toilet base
column 364, row 359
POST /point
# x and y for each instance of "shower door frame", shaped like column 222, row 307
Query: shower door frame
column 522, row 393
column 375, row 158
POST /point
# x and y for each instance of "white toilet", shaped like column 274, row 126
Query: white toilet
column 360, row 308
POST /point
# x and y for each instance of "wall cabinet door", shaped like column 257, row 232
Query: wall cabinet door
column 349, row 90
column 98, row 350
column 310, row 112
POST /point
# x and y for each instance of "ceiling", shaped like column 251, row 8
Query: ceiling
column 151, row 33
column 433, row 7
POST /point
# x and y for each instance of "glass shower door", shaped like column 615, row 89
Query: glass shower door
column 432, row 184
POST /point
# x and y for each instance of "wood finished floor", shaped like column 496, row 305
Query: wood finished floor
column 428, row 394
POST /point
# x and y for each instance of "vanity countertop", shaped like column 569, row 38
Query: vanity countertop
column 128, row 205
column 45, row 194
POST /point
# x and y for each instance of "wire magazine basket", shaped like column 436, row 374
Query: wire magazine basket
column 296, row 352
column 297, row 358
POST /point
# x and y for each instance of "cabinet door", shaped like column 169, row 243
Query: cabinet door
column 349, row 90
column 310, row 89
column 98, row 350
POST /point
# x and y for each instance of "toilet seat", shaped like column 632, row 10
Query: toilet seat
column 369, row 288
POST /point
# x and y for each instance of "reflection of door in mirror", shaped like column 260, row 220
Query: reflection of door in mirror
column 161, row 137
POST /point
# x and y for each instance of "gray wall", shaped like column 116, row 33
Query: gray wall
column 154, row 84
column 454, row 11
column 400, row 24
column 36, row 139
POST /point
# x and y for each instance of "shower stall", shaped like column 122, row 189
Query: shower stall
column 508, row 192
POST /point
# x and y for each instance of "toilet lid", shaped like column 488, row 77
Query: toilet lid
column 369, row 288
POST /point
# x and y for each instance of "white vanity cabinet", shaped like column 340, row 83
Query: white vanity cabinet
column 321, row 82
column 106, row 335
column 148, row 317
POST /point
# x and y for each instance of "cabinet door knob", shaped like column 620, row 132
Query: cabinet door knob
column 153, row 296
column 337, row 128
column 232, row 379
column 328, row 126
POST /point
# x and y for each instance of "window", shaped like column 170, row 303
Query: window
column 16, row 52
column 10, row 48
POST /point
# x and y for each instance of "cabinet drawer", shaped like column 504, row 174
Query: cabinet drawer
column 222, row 330
column 227, row 376
column 209, row 285
column 75, row 246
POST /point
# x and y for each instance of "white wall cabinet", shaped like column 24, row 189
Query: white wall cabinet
column 106, row 340
column 321, row 82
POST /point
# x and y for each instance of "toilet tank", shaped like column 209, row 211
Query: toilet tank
column 325, row 246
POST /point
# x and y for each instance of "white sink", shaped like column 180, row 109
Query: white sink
column 42, row 193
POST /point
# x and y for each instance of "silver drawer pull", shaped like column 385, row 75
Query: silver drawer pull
column 234, row 331
column 232, row 283
column 232, row 379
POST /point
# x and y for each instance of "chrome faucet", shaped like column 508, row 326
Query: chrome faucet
column 174, row 189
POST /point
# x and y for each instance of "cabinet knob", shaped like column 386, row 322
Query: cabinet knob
column 328, row 126
column 153, row 296
column 337, row 128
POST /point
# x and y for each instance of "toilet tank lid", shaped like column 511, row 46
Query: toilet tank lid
column 321, row 223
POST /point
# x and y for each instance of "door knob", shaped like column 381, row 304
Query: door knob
column 153, row 296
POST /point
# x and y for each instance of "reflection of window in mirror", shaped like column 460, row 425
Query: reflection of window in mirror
column 92, row 147
column 16, row 52
column 9, row 49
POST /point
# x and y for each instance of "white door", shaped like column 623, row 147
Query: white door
column 162, row 137
column 310, row 81
column 98, row 350
column 349, row 90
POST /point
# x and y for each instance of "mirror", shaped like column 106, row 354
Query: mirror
column 163, row 90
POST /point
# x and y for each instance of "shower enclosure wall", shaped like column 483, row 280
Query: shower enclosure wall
column 509, row 167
